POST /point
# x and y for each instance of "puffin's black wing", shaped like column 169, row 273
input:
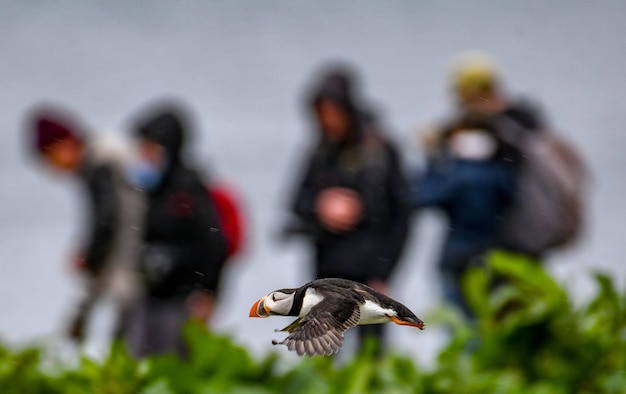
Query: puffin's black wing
column 321, row 330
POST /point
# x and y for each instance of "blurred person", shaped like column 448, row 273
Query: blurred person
column 183, row 248
column 474, row 186
column 99, row 162
column 478, row 88
column 352, row 200
column 547, row 211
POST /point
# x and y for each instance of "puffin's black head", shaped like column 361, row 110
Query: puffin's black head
column 405, row 317
column 279, row 302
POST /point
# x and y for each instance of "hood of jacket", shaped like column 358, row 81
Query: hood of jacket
column 167, row 128
column 338, row 86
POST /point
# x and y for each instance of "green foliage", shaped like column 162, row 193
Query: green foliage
column 528, row 338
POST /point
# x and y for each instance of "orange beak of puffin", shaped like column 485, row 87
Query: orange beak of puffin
column 419, row 324
column 259, row 309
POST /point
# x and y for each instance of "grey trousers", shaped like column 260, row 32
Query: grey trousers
column 155, row 326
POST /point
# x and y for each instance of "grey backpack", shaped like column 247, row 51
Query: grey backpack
column 548, row 210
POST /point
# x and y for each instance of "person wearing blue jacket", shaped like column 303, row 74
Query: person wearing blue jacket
column 473, row 185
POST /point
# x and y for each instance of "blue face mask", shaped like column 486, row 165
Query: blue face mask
column 145, row 175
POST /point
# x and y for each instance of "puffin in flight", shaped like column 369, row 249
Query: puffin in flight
column 326, row 308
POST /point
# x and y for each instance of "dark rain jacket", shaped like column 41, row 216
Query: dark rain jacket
column 183, row 248
column 367, row 163
column 371, row 168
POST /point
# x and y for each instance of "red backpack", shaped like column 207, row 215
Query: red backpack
column 230, row 217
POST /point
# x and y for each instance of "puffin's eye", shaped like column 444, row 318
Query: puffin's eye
column 273, row 297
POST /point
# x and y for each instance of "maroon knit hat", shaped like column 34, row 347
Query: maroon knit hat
column 52, row 126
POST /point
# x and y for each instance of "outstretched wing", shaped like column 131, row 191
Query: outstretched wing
column 321, row 330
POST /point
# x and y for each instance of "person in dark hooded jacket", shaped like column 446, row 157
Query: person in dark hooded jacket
column 352, row 199
column 183, row 249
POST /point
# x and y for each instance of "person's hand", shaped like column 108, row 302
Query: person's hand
column 78, row 263
column 426, row 138
column 429, row 142
column 201, row 306
column 339, row 209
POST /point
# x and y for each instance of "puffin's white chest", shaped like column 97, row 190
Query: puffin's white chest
column 311, row 298
column 372, row 313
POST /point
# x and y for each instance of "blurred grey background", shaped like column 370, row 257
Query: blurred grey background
column 242, row 67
